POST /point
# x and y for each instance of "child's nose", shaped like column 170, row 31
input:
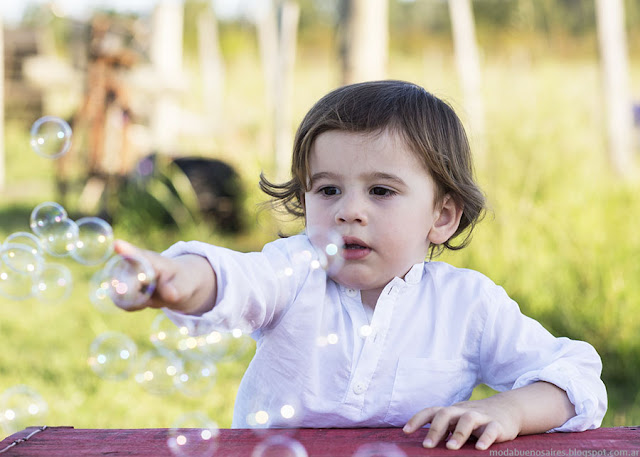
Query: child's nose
column 351, row 210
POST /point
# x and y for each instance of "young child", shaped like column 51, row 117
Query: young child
column 386, row 165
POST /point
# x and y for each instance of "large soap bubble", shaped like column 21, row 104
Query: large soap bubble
column 329, row 247
column 193, row 435
column 132, row 281
column 50, row 137
column 157, row 370
column 26, row 239
column 59, row 238
column 15, row 285
column 198, row 376
column 112, row 355
column 21, row 258
column 94, row 243
column 46, row 214
column 279, row 446
column 20, row 407
column 54, row 283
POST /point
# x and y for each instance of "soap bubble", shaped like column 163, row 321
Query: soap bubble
column 224, row 346
column 193, row 435
column 59, row 238
column 379, row 449
column 156, row 371
column 198, row 376
column 15, row 285
column 279, row 446
column 132, row 281
column 50, row 137
column 21, row 407
column 45, row 214
column 268, row 411
column 26, row 239
column 21, row 258
column 99, row 292
column 329, row 247
column 53, row 284
column 94, row 243
column 166, row 334
column 112, row 355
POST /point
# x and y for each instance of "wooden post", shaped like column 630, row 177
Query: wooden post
column 166, row 58
column 2, row 158
column 283, row 115
column 615, row 76
column 278, row 48
column 468, row 64
column 267, row 30
column 365, row 39
column 212, row 67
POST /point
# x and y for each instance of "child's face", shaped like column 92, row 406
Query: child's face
column 376, row 194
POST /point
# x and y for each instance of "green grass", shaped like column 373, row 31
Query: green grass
column 561, row 236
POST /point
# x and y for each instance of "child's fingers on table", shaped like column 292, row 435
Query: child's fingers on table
column 489, row 436
column 441, row 424
column 420, row 418
column 467, row 422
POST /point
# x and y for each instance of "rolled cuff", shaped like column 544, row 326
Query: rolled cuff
column 589, row 397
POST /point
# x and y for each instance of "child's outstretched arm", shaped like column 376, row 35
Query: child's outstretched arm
column 186, row 283
column 535, row 408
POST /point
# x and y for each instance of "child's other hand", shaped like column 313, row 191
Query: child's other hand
column 183, row 283
column 484, row 419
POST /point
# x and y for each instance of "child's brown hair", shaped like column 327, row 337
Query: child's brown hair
column 428, row 125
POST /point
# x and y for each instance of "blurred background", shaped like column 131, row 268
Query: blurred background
column 177, row 107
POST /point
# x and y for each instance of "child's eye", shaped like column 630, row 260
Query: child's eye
column 382, row 192
column 329, row 190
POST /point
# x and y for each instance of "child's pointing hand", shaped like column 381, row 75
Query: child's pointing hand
column 185, row 283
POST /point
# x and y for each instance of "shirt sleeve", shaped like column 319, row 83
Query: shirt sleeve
column 253, row 289
column 517, row 350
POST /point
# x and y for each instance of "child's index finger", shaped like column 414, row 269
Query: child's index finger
column 124, row 247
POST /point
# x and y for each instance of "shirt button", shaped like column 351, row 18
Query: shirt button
column 352, row 292
column 358, row 388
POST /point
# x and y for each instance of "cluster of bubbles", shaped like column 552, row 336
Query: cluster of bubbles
column 26, row 269
column 179, row 360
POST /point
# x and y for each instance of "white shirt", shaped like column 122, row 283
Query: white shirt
column 433, row 336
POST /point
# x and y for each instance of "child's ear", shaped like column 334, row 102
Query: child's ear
column 446, row 222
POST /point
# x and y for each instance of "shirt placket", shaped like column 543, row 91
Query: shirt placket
column 365, row 366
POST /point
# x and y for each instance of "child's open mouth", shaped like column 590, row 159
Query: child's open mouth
column 354, row 249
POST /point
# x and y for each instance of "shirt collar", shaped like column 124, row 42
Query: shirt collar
column 414, row 275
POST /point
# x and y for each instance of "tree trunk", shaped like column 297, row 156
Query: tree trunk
column 468, row 64
column 212, row 67
column 277, row 32
column 166, row 58
column 364, row 40
column 615, row 76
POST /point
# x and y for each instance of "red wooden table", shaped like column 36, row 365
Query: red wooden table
column 68, row 441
